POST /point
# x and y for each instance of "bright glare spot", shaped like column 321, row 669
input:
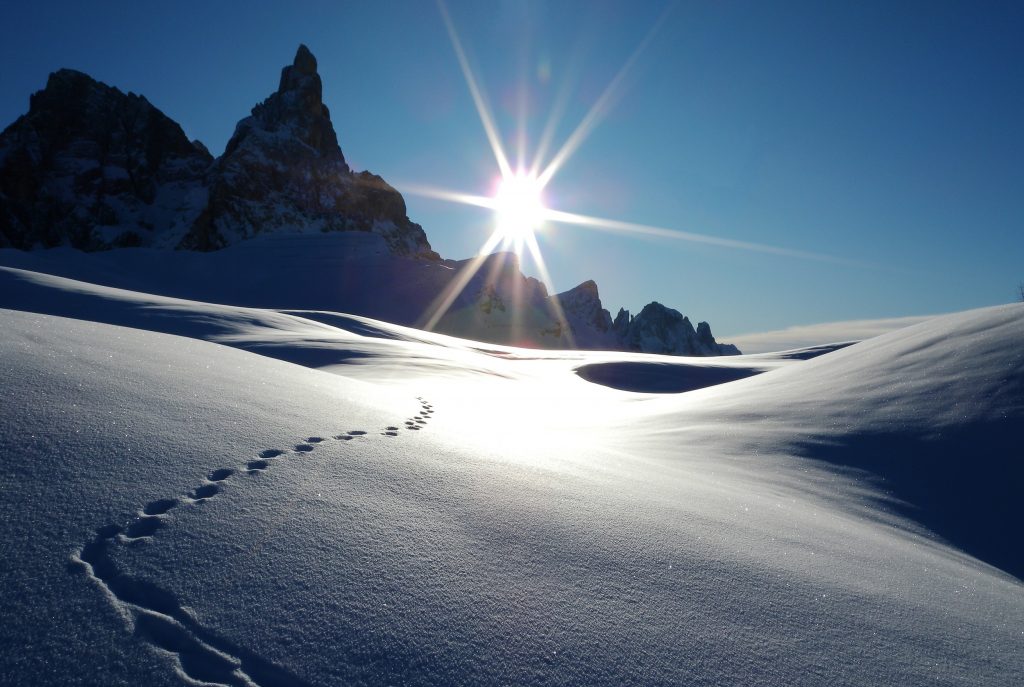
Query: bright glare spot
column 519, row 206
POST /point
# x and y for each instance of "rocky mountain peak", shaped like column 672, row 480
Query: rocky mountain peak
column 295, row 113
column 62, row 85
column 94, row 167
column 659, row 329
column 621, row 323
column 304, row 63
column 283, row 170
column 704, row 334
column 589, row 288
column 582, row 306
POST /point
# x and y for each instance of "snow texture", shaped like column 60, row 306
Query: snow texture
column 219, row 494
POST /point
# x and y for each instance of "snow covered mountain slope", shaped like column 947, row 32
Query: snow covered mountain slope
column 405, row 507
column 357, row 273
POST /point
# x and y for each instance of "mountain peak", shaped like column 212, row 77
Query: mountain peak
column 286, row 156
column 588, row 287
column 581, row 305
column 660, row 329
column 86, row 164
column 66, row 76
column 294, row 113
column 301, row 76
column 304, row 60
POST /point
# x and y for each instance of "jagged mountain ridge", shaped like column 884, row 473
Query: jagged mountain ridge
column 283, row 168
column 94, row 168
column 572, row 319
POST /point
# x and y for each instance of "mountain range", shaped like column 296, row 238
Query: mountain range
column 100, row 171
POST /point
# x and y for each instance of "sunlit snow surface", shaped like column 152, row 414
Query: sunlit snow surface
column 203, row 493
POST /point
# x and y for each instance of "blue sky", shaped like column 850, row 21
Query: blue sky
column 885, row 134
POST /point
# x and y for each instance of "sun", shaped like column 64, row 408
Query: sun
column 518, row 203
column 519, row 206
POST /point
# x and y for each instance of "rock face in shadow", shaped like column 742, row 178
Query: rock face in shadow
column 499, row 304
column 92, row 167
column 283, row 170
column 95, row 168
column 587, row 318
column 658, row 329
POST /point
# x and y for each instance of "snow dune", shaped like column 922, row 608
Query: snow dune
column 199, row 493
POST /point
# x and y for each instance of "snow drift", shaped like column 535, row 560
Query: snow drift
column 184, row 503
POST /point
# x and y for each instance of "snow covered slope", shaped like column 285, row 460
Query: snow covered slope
column 357, row 273
column 184, row 504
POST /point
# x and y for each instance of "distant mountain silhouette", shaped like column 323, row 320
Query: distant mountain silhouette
column 94, row 168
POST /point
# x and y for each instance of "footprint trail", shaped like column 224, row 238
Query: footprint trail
column 157, row 617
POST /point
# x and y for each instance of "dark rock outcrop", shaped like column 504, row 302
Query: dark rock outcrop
column 94, row 168
column 283, row 170
column 582, row 308
column 658, row 329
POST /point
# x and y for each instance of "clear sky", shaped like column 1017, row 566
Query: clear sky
column 888, row 135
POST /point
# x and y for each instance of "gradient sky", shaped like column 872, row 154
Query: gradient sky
column 885, row 134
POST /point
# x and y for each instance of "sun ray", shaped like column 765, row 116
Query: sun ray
column 601, row 106
column 633, row 228
column 497, row 264
column 522, row 107
column 475, row 91
column 444, row 300
column 444, row 194
column 516, row 315
column 545, row 277
column 518, row 202
column 548, row 134
column 619, row 226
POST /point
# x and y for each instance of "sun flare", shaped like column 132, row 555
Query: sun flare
column 519, row 206
column 518, row 201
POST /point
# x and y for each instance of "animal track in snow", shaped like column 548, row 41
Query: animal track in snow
column 157, row 617
column 144, row 526
column 205, row 491
column 416, row 422
column 159, row 507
